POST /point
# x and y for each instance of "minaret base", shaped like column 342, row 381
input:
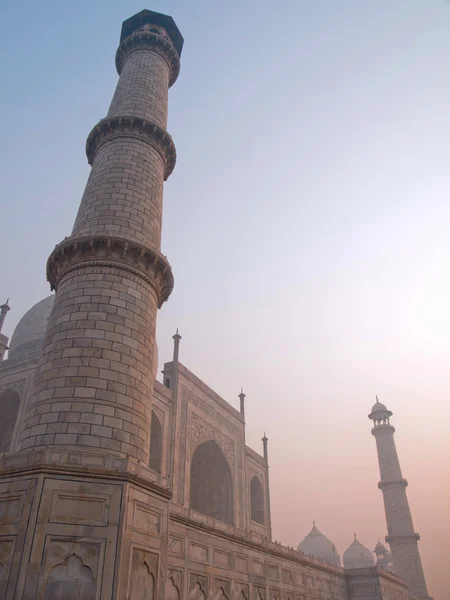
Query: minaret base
column 76, row 526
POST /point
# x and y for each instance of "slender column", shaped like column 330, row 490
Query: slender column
column 401, row 535
column 265, row 439
column 94, row 384
column 4, row 308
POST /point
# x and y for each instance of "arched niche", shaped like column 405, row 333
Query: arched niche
column 172, row 591
column 71, row 579
column 9, row 408
column 256, row 501
column 211, row 483
column 142, row 583
column 156, row 443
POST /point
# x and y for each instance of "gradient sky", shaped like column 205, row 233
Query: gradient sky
column 307, row 223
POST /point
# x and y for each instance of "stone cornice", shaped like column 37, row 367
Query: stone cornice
column 141, row 40
column 114, row 127
column 396, row 483
column 103, row 251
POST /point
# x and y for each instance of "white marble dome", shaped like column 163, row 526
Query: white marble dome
column 317, row 544
column 357, row 556
column 379, row 407
column 28, row 336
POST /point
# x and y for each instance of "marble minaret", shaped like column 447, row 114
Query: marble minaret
column 401, row 535
column 79, row 503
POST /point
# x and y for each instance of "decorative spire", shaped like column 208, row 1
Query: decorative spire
column 378, row 402
column 176, row 346
column 314, row 522
column 4, row 308
column 242, row 399
column 265, row 439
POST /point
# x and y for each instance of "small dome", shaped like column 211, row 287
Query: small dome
column 320, row 546
column 357, row 556
column 28, row 336
column 380, row 549
column 379, row 407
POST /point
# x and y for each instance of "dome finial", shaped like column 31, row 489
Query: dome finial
column 314, row 522
column 377, row 399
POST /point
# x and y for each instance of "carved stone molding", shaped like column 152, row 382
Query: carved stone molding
column 201, row 431
column 151, row 133
column 102, row 251
column 142, row 40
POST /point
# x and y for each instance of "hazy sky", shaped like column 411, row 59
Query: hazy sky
column 307, row 223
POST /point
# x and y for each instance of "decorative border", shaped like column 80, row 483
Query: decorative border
column 141, row 40
column 101, row 251
column 126, row 126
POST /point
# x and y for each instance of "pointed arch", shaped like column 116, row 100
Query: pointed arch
column 211, row 483
column 156, row 443
column 71, row 579
column 257, row 501
column 172, row 591
column 9, row 409
column 142, row 583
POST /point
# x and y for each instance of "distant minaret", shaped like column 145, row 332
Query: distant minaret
column 4, row 308
column 401, row 535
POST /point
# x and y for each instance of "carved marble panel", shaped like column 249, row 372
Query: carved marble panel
column 221, row 558
column 11, row 507
column 198, row 586
column 242, row 591
column 176, row 546
column 82, row 509
column 173, row 585
column 274, row 594
column 241, row 563
column 273, row 571
column 287, row 576
column 198, row 552
column 7, row 546
column 72, row 569
column 143, row 575
column 259, row 592
column 145, row 519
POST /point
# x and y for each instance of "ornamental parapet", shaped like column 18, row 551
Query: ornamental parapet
column 407, row 537
column 97, row 252
column 158, row 43
column 116, row 127
column 396, row 483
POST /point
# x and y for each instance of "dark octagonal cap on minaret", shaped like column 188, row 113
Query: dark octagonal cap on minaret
column 153, row 18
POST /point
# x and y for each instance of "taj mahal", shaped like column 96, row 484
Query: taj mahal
column 114, row 485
